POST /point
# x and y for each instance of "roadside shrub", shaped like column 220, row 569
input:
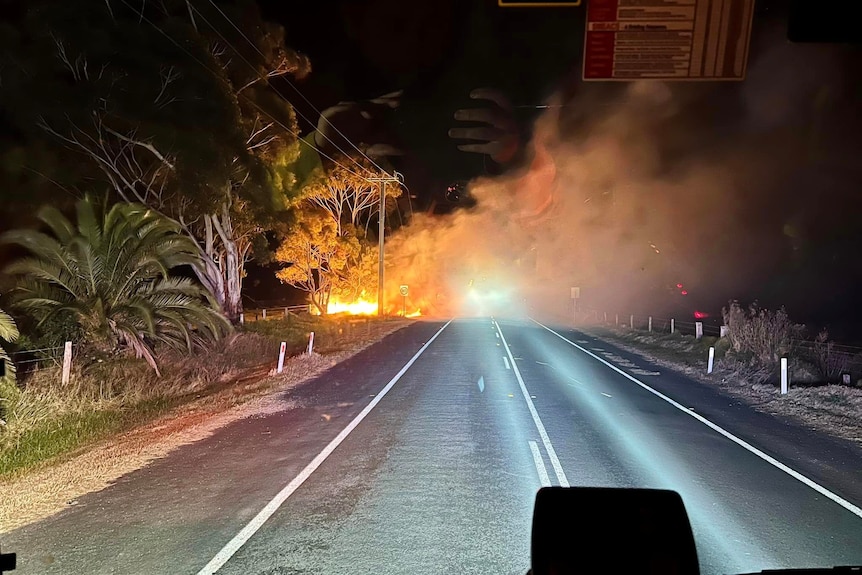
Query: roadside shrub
column 8, row 388
column 759, row 337
column 830, row 362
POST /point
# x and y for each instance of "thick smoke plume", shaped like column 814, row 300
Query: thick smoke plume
column 588, row 212
column 631, row 190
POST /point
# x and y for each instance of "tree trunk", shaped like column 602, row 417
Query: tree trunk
column 211, row 278
column 233, row 285
column 232, row 267
column 315, row 299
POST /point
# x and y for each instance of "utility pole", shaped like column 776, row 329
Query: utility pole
column 381, row 230
column 381, row 221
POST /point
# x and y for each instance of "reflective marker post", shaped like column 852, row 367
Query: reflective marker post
column 711, row 360
column 281, row 351
column 784, row 376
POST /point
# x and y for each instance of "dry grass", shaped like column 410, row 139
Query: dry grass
column 832, row 409
column 91, row 462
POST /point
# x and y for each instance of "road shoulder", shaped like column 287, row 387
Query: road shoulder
column 828, row 459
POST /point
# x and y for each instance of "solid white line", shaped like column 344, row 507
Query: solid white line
column 552, row 455
column 258, row 520
column 506, row 362
column 540, row 465
column 854, row 509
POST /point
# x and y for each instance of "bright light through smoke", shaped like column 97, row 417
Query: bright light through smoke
column 590, row 210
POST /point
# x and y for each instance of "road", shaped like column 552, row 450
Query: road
column 423, row 453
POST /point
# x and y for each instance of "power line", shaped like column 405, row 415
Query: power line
column 266, row 79
column 289, row 83
column 261, row 110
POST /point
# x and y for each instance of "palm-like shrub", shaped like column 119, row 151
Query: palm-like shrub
column 8, row 390
column 111, row 271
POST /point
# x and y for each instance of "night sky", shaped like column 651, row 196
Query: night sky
column 793, row 121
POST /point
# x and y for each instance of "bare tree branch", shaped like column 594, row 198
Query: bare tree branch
column 168, row 76
column 146, row 145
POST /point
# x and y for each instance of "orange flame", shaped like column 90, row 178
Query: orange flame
column 358, row 307
column 363, row 306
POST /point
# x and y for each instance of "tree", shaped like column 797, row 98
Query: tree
column 360, row 276
column 181, row 119
column 347, row 193
column 8, row 388
column 111, row 270
column 317, row 257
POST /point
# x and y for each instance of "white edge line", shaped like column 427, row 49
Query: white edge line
column 506, row 362
column 258, row 520
column 552, row 455
column 856, row 510
column 540, row 465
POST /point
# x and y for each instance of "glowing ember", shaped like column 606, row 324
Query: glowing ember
column 358, row 307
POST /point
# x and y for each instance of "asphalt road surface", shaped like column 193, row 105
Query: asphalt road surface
column 423, row 454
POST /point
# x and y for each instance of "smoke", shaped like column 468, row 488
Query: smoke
column 631, row 190
column 592, row 210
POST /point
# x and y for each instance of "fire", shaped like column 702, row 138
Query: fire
column 358, row 307
column 364, row 307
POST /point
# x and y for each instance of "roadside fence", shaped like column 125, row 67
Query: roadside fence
column 29, row 361
column 266, row 313
column 835, row 362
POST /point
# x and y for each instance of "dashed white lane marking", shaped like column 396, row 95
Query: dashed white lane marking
column 546, row 441
column 506, row 362
column 481, row 384
column 645, row 372
column 606, row 394
column 540, row 465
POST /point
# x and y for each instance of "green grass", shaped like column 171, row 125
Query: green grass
column 65, row 433
column 56, row 437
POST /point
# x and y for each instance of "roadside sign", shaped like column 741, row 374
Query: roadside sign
column 576, row 293
column 404, row 290
column 667, row 39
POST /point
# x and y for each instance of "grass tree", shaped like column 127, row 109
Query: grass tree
column 112, row 271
